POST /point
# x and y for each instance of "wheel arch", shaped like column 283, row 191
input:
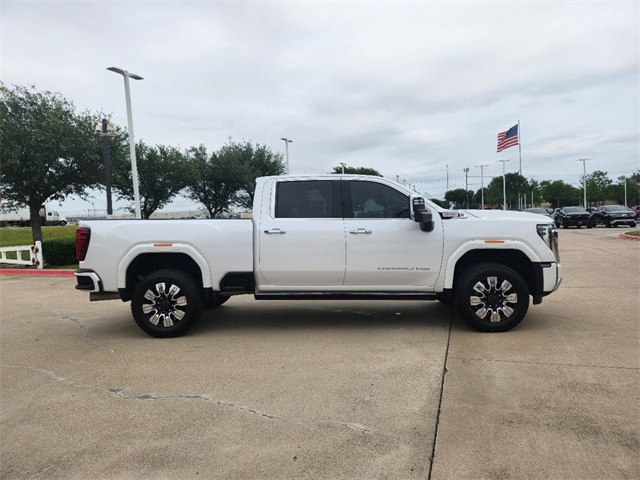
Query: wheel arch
column 520, row 259
column 145, row 259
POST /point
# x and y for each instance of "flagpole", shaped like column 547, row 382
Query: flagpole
column 520, row 146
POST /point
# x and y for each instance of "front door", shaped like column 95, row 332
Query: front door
column 386, row 249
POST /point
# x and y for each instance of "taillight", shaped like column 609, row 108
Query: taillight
column 83, row 235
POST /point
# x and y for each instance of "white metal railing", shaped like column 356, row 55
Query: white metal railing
column 35, row 255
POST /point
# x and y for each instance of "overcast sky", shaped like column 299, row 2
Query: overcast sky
column 407, row 88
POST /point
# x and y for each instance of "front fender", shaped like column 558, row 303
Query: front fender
column 484, row 245
column 159, row 248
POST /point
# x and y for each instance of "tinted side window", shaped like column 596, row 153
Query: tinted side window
column 375, row 200
column 308, row 199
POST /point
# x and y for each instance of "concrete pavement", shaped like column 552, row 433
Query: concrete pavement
column 327, row 390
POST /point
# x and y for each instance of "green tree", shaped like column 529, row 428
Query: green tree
column 441, row 203
column 634, row 184
column 517, row 185
column 254, row 161
column 162, row 174
column 356, row 170
column 459, row 198
column 617, row 191
column 215, row 180
column 48, row 150
column 559, row 193
column 598, row 185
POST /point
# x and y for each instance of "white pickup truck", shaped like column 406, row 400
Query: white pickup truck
column 324, row 237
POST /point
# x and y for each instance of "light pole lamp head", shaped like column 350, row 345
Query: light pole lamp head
column 125, row 73
column 286, row 140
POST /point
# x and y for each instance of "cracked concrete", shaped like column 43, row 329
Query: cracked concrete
column 326, row 390
column 258, row 390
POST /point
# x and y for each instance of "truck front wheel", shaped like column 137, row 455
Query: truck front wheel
column 492, row 297
column 166, row 303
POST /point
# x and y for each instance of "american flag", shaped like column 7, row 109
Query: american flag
column 508, row 139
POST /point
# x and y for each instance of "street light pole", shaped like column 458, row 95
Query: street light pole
column 584, row 178
column 504, row 186
column 106, row 156
column 286, row 143
column 481, row 167
column 466, row 185
column 132, row 142
column 624, row 179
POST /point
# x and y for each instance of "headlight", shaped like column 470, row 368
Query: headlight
column 549, row 234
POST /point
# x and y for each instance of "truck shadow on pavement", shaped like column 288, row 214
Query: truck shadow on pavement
column 281, row 315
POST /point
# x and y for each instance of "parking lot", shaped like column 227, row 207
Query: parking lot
column 328, row 389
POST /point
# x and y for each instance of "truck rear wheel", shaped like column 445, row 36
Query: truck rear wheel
column 166, row 303
column 492, row 297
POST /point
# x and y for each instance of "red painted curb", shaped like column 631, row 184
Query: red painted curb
column 40, row 273
column 629, row 237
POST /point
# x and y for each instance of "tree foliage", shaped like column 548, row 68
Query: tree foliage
column 356, row 170
column 559, row 193
column 227, row 177
column 48, row 150
column 162, row 174
column 598, row 185
column 516, row 185
column 459, row 198
column 214, row 182
column 254, row 161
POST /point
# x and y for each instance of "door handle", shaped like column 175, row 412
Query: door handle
column 360, row 231
column 275, row 231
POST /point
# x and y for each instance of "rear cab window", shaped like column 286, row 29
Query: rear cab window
column 308, row 199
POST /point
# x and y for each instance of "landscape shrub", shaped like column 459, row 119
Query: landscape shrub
column 59, row 251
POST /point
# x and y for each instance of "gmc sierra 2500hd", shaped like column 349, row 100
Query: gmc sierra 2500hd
column 324, row 237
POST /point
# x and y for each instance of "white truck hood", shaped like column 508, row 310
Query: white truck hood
column 506, row 215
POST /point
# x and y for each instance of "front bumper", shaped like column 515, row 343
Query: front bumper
column 622, row 221
column 577, row 221
column 547, row 279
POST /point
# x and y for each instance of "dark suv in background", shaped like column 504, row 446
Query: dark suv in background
column 614, row 215
column 573, row 217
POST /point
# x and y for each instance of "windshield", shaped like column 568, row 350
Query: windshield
column 541, row 211
column 575, row 210
column 616, row 208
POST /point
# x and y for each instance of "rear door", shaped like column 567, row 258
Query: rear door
column 301, row 238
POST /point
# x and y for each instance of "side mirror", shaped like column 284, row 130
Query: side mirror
column 422, row 215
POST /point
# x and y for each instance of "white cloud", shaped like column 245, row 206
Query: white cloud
column 404, row 87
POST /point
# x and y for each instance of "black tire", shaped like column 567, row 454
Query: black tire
column 565, row 225
column 486, row 302
column 216, row 301
column 166, row 303
column 63, row 223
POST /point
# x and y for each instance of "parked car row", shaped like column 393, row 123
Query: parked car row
column 574, row 217
column 607, row 215
column 614, row 215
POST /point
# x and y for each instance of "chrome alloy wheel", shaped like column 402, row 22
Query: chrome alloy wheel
column 493, row 301
column 164, row 306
